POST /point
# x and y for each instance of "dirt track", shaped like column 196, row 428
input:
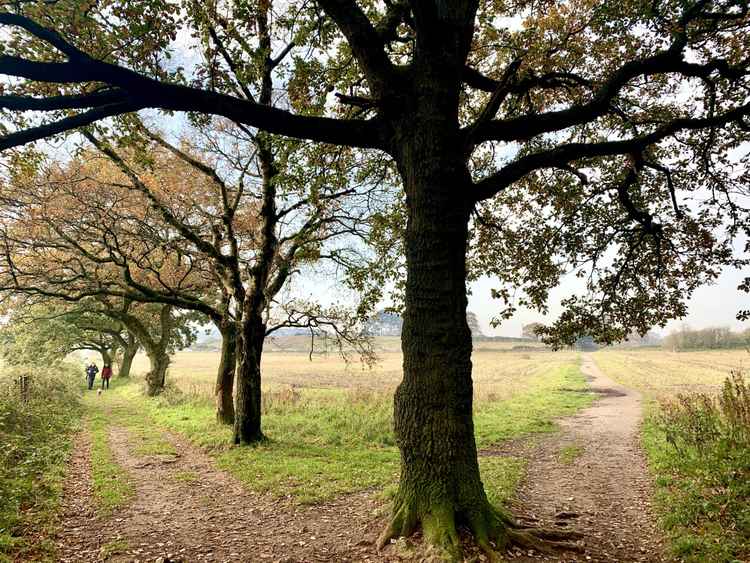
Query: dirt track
column 209, row 517
column 605, row 491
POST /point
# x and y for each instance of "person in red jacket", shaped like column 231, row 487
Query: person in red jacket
column 106, row 374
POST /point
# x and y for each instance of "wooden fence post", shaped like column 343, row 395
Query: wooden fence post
column 24, row 383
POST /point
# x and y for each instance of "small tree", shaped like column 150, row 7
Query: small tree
column 532, row 331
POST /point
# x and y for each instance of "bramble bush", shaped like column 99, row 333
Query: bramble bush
column 705, row 472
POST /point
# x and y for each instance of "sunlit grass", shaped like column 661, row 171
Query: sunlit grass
column 111, row 486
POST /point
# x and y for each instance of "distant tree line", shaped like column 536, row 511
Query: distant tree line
column 387, row 323
column 707, row 338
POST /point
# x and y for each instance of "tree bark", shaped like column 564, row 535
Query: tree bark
column 247, row 421
column 225, row 376
column 128, row 354
column 156, row 376
column 440, row 484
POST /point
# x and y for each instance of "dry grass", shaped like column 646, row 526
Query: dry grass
column 499, row 372
column 662, row 374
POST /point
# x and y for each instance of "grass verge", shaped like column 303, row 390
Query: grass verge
column 696, row 435
column 36, row 437
column 111, row 488
column 699, row 450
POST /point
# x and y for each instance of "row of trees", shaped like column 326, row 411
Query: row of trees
column 706, row 339
column 189, row 233
column 532, row 140
column 42, row 335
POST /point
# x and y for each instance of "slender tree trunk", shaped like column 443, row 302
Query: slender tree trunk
column 225, row 375
column 128, row 354
column 156, row 376
column 247, row 421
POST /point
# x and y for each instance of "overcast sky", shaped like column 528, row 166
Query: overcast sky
column 714, row 305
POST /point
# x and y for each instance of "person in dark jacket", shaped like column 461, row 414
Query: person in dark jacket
column 91, row 372
column 106, row 374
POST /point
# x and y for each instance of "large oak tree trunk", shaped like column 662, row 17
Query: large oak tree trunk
column 225, row 376
column 440, row 485
column 247, row 419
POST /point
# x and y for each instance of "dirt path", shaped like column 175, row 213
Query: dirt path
column 208, row 517
column 185, row 510
column 592, row 477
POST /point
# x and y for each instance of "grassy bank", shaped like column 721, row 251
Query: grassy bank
column 36, row 439
column 699, row 449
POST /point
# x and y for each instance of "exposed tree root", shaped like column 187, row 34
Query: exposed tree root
column 493, row 530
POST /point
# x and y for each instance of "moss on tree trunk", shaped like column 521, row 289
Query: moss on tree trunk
column 440, row 485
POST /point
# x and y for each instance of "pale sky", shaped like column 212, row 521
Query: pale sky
column 714, row 305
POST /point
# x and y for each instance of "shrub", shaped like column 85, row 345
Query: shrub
column 707, row 472
column 34, row 435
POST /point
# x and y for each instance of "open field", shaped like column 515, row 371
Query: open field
column 330, row 423
column 662, row 374
column 499, row 372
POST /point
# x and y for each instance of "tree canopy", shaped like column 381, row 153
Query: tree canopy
column 533, row 140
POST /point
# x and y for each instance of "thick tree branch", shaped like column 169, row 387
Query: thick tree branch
column 667, row 62
column 71, row 123
column 145, row 92
column 76, row 101
column 567, row 153
column 364, row 41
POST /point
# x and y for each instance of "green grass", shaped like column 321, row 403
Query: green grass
column 328, row 442
column 114, row 547
column 704, row 501
column 36, row 437
column 501, row 476
column 568, row 454
column 111, row 487
column 186, row 476
column 560, row 392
